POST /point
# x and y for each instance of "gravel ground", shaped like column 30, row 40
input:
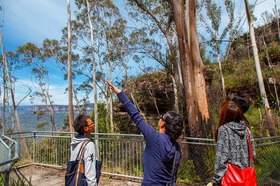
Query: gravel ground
column 45, row 176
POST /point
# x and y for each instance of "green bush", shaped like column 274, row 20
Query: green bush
column 240, row 74
column 15, row 181
column 268, row 165
column 102, row 114
column 188, row 175
column 273, row 51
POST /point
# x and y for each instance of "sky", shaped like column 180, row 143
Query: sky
column 35, row 20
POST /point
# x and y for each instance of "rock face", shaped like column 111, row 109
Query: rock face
column 152, row 94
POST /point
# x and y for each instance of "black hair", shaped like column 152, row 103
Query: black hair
column 242, row 103
column 80, row 122
column 173, row 125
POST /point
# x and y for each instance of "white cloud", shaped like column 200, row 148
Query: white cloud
column 33, row 20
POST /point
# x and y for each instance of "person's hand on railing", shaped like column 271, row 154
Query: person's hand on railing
column 112, row 87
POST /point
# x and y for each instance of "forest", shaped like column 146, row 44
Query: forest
column 192, row 57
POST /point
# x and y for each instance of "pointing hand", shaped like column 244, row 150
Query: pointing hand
column 112, row 87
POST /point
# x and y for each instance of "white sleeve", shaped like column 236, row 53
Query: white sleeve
column 90, row 161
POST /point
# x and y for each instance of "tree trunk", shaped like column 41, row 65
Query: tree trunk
column 271, row 125
column 3, row 118
column 272, row 71
column 277, row 19
column 222, row 75
column 186, row 66
column 94, row 82
column 200, row 90
column 198, row 67
column 70, row 86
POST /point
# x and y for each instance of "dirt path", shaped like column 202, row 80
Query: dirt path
column 45, row 176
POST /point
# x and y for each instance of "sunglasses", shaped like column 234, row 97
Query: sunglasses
column 161, row 117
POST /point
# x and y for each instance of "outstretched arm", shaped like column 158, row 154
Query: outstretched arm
column 147, row 130
column 112, row 87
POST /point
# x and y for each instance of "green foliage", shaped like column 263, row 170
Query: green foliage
column 127, row 158
column 188, row 175
column 102, row 118
column 20, row 182
column 52, row 151
column 268, row 165
column 15, row 181
column 187, row 171
column 253, row 116
column 41, row 125
column 273, row 51
column 65, row 125
column 240, row 74
column 40, row 113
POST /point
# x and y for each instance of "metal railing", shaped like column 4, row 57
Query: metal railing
column 121, row 155
column 8, row 156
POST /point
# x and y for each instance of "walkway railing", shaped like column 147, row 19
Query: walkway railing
column 121, row 155
column 8, row 156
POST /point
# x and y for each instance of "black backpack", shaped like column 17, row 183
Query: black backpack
column 75, row 172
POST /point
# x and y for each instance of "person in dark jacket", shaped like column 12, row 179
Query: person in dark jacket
column 232, row 141
column 161, row 147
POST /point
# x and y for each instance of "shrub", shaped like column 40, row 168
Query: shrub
column 268, row 165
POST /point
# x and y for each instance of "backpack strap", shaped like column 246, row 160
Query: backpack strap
column 174, row 164
column 80, row 157
column 82, row 149
column 250, row 149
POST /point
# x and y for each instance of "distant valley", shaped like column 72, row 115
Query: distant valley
column 28, row 118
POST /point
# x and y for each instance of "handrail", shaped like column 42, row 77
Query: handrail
column 11, row 161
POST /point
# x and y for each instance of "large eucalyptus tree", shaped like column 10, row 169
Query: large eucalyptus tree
column 169, row 19
column 158, row 25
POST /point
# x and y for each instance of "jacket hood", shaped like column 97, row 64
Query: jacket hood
column 238, row 128
column 78, row 139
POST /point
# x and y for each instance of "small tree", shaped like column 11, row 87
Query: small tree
column 219, row 34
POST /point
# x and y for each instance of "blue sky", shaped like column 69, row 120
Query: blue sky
column 35, row 20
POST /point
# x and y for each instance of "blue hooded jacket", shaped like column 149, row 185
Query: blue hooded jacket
column 159, row 151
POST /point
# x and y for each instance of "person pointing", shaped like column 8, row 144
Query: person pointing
column 162, row 152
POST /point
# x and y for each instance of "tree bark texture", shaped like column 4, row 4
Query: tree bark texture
column 192, row 72
column 198, row 67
